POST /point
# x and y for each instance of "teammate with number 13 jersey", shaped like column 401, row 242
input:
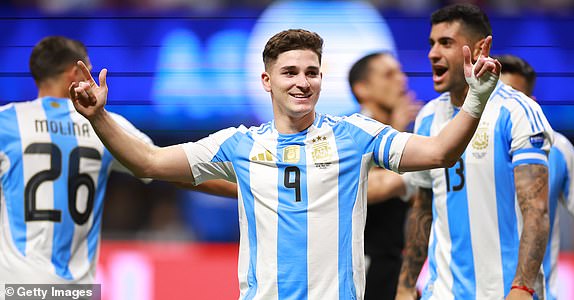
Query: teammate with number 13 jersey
column 53, row 175
column 477, row 223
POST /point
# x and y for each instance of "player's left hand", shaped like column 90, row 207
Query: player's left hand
column 483, row 75
column 88, row 97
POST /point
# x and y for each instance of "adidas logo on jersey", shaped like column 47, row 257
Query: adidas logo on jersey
column 263, row 156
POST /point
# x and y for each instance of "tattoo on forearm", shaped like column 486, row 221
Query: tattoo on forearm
column 532, row 193
column 418, row 231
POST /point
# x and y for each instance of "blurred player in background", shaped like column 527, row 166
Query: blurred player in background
column 380, row 86
column 54, row 172
column 486, row 216
column 517, row 73
column 301, row 177
column 53, row 175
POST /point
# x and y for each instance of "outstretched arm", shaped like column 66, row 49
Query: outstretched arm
column 532, row 194
column 218, row 187
column 417, row 238
column 444, row 149
column 144, row 160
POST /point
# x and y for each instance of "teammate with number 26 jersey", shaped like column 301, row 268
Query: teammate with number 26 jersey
column 53, row 172
column 286, row 212
column 476, row 223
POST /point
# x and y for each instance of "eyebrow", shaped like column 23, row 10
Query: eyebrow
column 289, row 68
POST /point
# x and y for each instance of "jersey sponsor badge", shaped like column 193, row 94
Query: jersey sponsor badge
column 537, row 141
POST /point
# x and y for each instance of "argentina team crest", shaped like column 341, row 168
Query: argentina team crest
column 479, row 142
column 321, row 152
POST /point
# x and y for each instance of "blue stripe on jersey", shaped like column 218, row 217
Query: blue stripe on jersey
column 242, row 147
column 558, row 175
column 292, row 233
column 94, row 233
column 13, row 182
column 387, row 150
column 424, row 128
column 530, row 160
column 504, row 183
column 507, row 95
column 349, row 175
column 459, row 227
column 530, row 113
column 432, row 267
column 378, row 145
column 63, row 230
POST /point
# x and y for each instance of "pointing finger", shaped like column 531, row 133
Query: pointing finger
column 86, row 73
column 102, row 78
column 485, row 51
column 467, row 61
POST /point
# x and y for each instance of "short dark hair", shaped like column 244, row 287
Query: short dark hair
column 292, row 39
column 515, row 65
column 53, row 54
column 360, row 69
column 471, row 16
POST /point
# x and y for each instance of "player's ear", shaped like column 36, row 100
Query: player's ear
column 360, row 91
column 266, row 81
column 71, row 72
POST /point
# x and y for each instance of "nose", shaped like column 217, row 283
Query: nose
column 433, row 54
column 302, row 81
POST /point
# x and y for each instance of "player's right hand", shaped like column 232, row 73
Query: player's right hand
column 88, row 97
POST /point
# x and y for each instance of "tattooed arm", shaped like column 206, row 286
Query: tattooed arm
column 532, row 193
column 417, row 238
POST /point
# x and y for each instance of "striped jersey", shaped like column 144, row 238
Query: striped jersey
column 474, row 241
column 561, row 189
column 302, row 201
column 53, row 174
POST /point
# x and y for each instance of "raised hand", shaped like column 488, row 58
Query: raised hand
column 481, row 77
column 88, row 98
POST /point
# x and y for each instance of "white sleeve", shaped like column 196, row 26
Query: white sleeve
column 531, row 135
column 210, row 157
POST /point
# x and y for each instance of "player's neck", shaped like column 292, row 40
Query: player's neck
column 457, row 96
column 52, row 88
column 377, row 112
column 289, row 125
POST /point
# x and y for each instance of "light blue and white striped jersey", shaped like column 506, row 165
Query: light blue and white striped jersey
column 53, row 172
column 302, row 201
column 561, row 170
column 474, row 241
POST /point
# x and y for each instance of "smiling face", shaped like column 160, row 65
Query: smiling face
column 294, row 81
column 445, row 55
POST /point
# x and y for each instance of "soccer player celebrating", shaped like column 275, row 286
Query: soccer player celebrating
column 486, row 216
column 302, row 176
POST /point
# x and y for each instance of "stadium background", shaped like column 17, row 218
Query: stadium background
column 180, row 70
